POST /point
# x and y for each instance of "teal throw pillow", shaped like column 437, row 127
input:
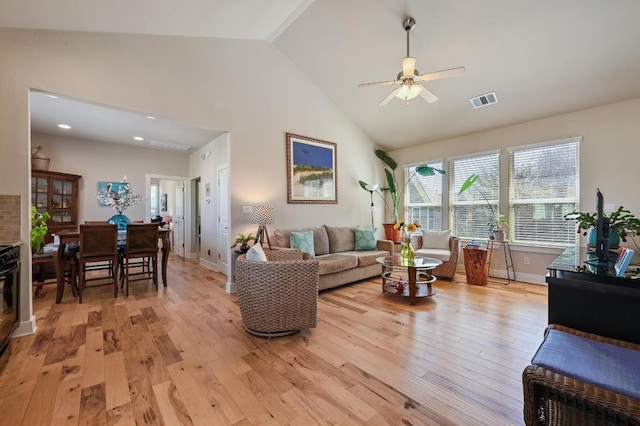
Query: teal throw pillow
column 366, row 239
column 303, row 241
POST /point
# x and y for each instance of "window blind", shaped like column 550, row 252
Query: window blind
column 471, row 211
column 423, row 197
column 543, row 187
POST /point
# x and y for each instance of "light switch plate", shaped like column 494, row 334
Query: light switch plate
column 247, row 209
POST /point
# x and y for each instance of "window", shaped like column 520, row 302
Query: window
column 423, row 197
column 470, row 212
column 543, row 187
column 153, row 199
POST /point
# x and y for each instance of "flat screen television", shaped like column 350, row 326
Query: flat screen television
column 602, row 230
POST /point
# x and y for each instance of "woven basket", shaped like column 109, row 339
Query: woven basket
column 40, row 163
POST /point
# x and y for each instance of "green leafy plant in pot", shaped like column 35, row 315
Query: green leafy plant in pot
column 498, row 222
column 39, row 228
column 622, row 224
column 395, row 191
column 243, row 240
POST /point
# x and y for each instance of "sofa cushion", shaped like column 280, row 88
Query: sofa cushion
column 366, row 258
column 439, row 254
column 598, row 363
column 302, row 241
column 332, row 263
column 365, row 239
column 256, row 253
column 320, row 239
column 340, row 238
column 435, row 239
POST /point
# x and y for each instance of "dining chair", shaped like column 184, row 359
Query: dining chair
column 43, row 269
column 96, row 266
column 142, row 243
column 98, row 243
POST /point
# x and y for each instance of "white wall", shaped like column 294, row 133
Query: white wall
column 245, row 87
column 608, row 160
column 203, row 164
column 96, row 162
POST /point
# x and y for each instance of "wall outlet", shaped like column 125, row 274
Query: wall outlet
column 526, row 260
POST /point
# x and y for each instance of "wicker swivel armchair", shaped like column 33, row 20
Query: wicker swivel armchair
column 557, row 399
column 277, row 297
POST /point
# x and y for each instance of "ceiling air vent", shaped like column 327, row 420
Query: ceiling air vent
column 484, row 100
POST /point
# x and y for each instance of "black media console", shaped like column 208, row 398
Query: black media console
column 588, row 296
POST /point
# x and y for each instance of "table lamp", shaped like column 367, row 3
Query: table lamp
column 262, row 215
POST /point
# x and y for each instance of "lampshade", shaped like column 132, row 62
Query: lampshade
column 408, row 91
column 262, row 215
column 371, row 186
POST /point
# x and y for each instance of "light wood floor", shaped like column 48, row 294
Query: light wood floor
column 180, row 356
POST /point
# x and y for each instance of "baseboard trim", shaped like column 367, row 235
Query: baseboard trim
column 26, row 328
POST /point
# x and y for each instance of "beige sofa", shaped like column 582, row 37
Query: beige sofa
column 339, row 262
column 439, row 245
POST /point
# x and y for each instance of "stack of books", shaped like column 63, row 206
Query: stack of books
column 476, row 245
column 625, row 256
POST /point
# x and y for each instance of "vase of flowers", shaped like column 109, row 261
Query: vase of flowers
column 408, row 253
column 120, row 199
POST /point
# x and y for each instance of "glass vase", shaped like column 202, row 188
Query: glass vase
column 408, row 253
column 119, row 219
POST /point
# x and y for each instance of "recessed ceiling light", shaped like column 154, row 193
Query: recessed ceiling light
column 138, row 138
column 151, row 117
column 64, row 126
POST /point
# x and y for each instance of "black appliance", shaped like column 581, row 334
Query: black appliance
column 9, row 302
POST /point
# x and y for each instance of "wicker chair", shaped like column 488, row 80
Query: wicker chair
column 448, row 268
column 278, row 297
column 551, row 398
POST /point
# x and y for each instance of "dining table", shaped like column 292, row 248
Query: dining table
column 73, row 236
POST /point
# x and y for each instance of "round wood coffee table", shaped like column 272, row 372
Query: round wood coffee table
column 418, row 281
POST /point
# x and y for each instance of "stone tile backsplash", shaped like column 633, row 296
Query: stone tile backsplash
column 9, row 217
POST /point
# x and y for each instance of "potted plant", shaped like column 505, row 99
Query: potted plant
column 622, row 224
column 39, row 228
column 243, row 240
column 497, row 222
column 395, row 191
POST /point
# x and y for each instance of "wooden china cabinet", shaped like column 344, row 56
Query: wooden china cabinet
column 56, row 193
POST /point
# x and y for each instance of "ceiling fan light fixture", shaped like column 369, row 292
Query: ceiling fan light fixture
column 409, row 76
column 408, row 91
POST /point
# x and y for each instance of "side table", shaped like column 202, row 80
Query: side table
column 475, row 260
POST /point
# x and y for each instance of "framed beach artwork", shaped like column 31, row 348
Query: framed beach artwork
column 312, row 175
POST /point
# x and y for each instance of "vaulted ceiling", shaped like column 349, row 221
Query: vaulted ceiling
column 541, row 58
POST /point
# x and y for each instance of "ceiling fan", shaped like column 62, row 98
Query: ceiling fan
column 410, row 78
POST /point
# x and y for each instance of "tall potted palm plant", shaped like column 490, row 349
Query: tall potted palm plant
column 395, row 191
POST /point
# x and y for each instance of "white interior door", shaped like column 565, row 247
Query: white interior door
column 223, row 219
column 178, row 221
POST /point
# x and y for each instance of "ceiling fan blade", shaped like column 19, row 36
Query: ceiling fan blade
column 428, row 95
column 378, row 83
column 389, row 97
column 408, row 66
column 441, row 74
